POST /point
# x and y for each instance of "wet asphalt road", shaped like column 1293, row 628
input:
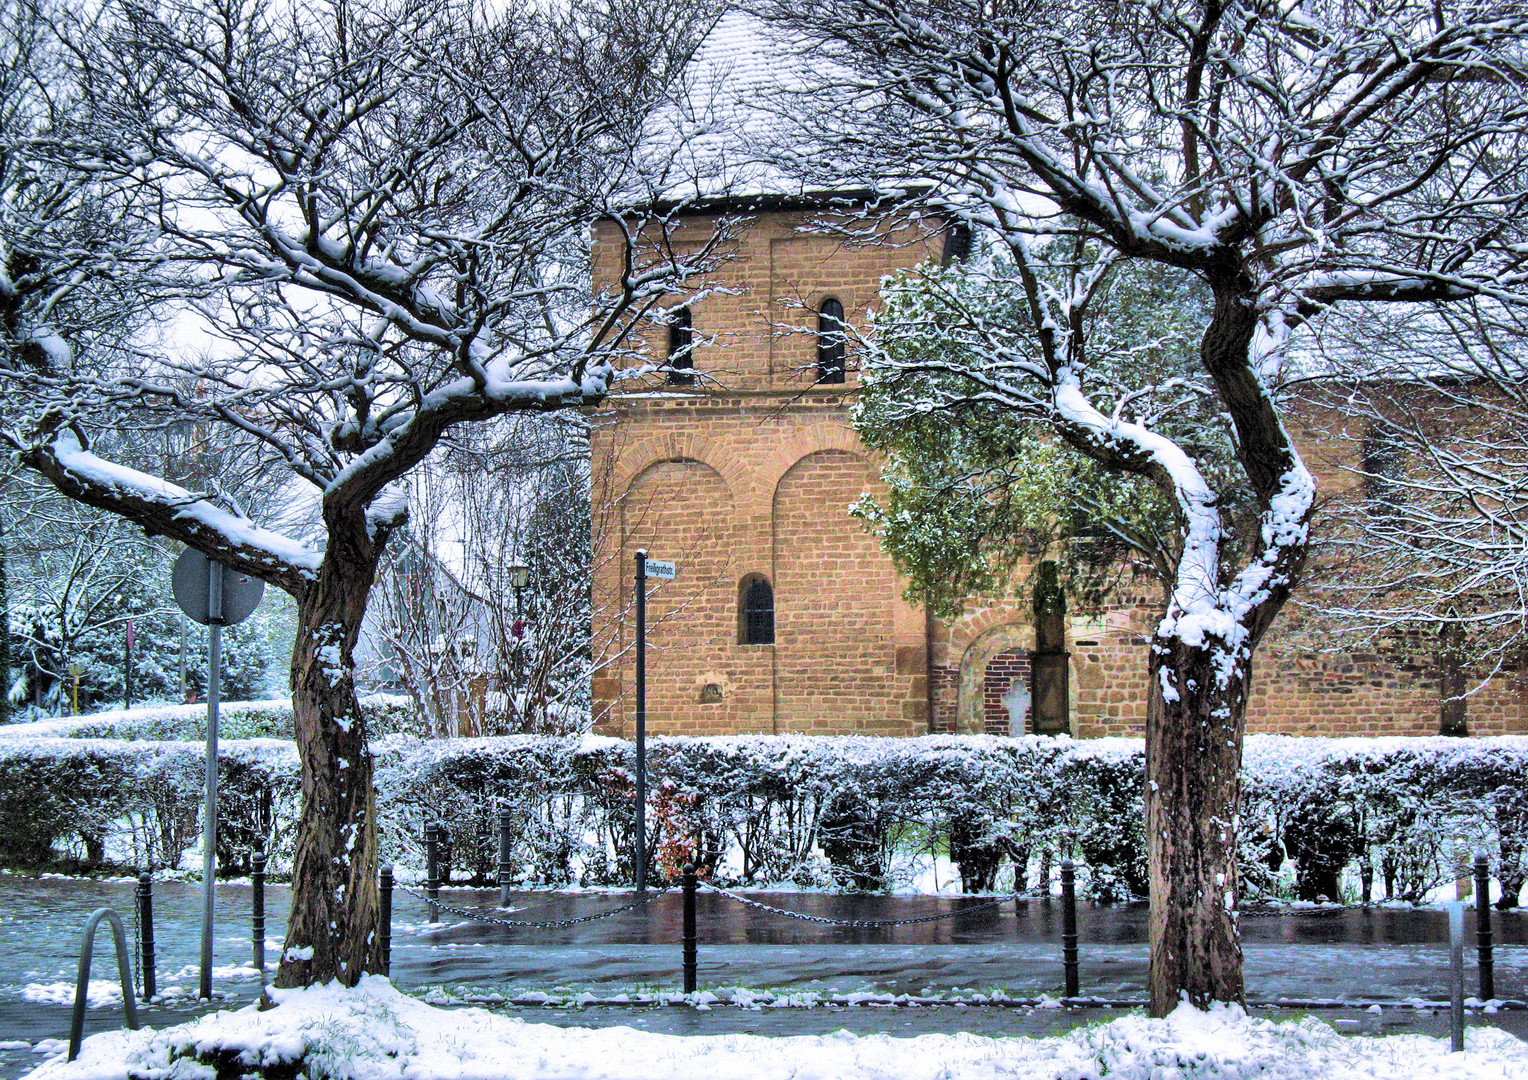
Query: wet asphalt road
column 1367, row 955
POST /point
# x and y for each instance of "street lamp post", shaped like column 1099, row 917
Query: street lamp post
column 519, row 577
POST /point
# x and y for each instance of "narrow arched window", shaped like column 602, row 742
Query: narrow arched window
column 756, row 611
column 957, row 243
column 830, row 342
column 681, row 348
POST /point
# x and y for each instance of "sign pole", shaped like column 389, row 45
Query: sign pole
column 127, row 669
column 639, row 853
column 210, row 811
column 213, row 596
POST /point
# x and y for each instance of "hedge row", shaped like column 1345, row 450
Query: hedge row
column 1340, row 818
column 385, row 714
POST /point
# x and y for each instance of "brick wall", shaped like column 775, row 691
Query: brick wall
column 752, row 471
column 1004, row 671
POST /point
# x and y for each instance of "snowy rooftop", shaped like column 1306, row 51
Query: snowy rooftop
column 734, row 126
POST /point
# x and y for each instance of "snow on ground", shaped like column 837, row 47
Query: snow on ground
column 99, row 994
column 105, row 993
column 374, row 1031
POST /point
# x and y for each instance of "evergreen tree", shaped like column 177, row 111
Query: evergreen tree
column 975, row 493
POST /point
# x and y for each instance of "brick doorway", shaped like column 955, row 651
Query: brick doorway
column 1005, row 694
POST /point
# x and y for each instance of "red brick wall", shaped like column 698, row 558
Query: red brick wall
column 1003, row 670
column 752, row 471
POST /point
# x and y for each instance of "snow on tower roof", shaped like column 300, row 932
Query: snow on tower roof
column 735, row 125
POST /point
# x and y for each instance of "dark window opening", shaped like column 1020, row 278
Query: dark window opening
column 756, row 612
column 957, row 243
column 1453, row 683
column 830, row 342
column 681, row 349
column 1381, row 463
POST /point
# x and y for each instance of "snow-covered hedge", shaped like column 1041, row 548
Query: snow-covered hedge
column 1396, row 816
column 138, row 802
column 385, row 714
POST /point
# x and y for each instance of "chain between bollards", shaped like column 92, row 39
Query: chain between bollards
column 385, row 918
column 1483, row 927
column 257, row 931
column 432, row 868
column 1069, row 925
column 689, row 928
column 146, row 932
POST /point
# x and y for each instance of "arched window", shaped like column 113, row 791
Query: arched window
column 830, row 342
column 681, row 348
column 756, row 611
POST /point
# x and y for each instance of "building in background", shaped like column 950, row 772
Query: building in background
column 786, row 616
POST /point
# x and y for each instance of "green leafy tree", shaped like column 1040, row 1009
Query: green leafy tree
column 974, row 491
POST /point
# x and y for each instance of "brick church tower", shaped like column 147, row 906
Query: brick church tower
column 785, row 616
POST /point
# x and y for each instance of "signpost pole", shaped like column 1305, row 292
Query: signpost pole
column 210, row 810
column 215, row 597
column 127, row 668
column 639, row 841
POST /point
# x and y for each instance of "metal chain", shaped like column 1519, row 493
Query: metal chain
column 859, row 922
column 137, row 940
column 558, row 924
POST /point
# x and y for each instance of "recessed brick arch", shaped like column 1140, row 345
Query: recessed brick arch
column 996, row 642
column 970, row 711
column 681, row 511
column 835, row 641
column 816, row 438
column 674, row 498
column 640, row 456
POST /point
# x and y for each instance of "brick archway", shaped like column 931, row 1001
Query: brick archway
column 1005, row 694
column 970, row 710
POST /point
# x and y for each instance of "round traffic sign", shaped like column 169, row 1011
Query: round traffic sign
column 191, row 579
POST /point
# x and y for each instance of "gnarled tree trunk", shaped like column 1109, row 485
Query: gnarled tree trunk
column 331, row 933
column 1193, row 803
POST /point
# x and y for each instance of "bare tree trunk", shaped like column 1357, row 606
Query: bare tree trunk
column 331, row 933
column 1193, row 797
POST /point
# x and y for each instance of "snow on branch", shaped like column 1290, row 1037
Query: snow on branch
column 166, row 509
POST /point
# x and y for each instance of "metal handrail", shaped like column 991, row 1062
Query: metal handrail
column 82, row 984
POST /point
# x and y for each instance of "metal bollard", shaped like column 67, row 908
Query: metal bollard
column 146, row 932
column 1456, row 975
column 257, row 930
column 385, row 918
column 689, row 928
column 1069, row 925
column 432, row 868
column 506, row 828
column 1483, row 927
